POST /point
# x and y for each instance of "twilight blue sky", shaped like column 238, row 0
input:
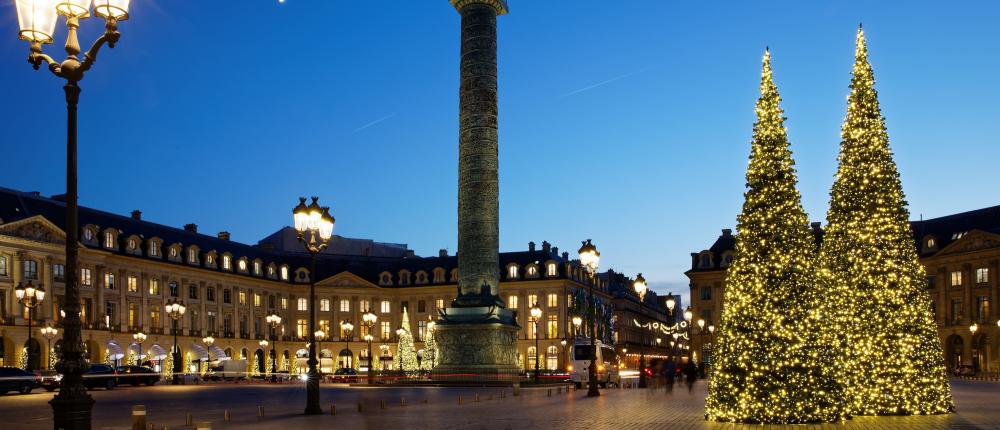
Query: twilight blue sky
column 624, row 121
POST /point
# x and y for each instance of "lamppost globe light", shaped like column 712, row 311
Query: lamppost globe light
column 590, row 257
column 973, row 328
column 37, row 20
column 111, row 9
column 536, row 312
column 325, row 226
column 368, row 338
column 315, row 213
column 711, row 329
column 671, row 302
column 577, row 321
column 562, row 342
column 73, row 8
column 688, row 314
column 701, row 323
column 640, row 286
column 209, row 340
column 263, row 343
column 300, row 214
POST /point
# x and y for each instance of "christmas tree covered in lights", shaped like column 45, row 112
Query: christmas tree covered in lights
column 406, row 355
column 894, row 360
column 771, row 365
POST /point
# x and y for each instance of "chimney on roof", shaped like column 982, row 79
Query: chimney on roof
column 531, row 246
column 546, row 246
column 442, row 252
column 555, row 250
column 224, row 235
column 410, row 253
column 565, row 255
column 193, row 228
column 137, row 214
column 726, row 232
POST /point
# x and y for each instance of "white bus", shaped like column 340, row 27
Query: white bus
column 579, row 359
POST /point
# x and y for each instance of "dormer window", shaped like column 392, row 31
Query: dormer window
column 551, row 270
column 454, row 275
column 404, row 277
column 931, row 243
column 705, row 261
column 271, row 271
column 438, row 275
column 242, row 265
column 154, row 248
column 227, row 262
column 209, row 260
column 88, row 234
column 421, row 277
column 192, row 255
column 131, row 244
column 532, row 271
column 512, row 271
column 385, row 279
column 284, row 273
column 109, row 240
column 257, row 268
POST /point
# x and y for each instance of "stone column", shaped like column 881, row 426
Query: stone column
column 478, row 185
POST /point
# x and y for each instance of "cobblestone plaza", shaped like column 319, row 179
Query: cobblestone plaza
column 657, row 408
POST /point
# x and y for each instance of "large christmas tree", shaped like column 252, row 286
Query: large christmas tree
column 894, row 363
column 406, row 356
column 771, row 365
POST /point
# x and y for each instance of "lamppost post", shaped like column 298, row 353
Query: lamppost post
column 263, row 350
column 347, row 328
column 314, row 227
column 536, row 316
column 175, row 310
column 48, row 332
column 209, row 341
column 562, row 355
column 431, row 326
column 687, row 318
column 640, row 287
column 30, row 297
column 273, row 320
column 589, row 259
column 71, row 408
column 139, row 338
column 368, row 321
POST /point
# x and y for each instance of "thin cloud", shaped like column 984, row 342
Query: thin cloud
column 603, row 83
column 374, row 123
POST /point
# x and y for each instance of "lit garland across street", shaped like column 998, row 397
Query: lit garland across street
column 893, row 363
column 771, row 363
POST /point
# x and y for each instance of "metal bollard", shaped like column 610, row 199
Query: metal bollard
column 477, row 398
column 381, row 404
column 333, row 409
column 150, row 427
column 503, row 394
column 187, row 420
column 402, row 401
column 138, row 417
column 460, row 400
column 424, row 401
column 360, row 408
column 225, row 416
column 517, row 389
column 549, row 393
column 203, row 425
column 559, row 389
column 260, row 411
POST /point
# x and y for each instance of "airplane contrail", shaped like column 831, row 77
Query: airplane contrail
column 602, row 83
column 373, row 123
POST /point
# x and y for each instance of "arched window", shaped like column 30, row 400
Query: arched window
column 552, row 357
column 284, row 273
column 227, row 262
column 512, row 271
column 551, row 270
column 532, row 271
column 705, row 261
column 438, row 275
column 532, row 356
column 109, row 240
column 385, row 279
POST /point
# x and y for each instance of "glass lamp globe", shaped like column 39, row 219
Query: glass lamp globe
column 37, row 20
column 301, row 216
column 640, row 286
column 73, row 8
column 111, row 9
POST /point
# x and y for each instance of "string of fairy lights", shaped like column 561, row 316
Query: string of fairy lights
column 811, row 335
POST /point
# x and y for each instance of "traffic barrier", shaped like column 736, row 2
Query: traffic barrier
column 138, row 417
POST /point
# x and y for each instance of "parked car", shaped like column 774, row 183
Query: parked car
column 137, row 375
column 49, row 379
column 17, row 379
column 100, row 375
column 345, row 374
column 228, row 369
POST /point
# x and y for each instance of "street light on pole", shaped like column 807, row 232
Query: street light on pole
column 314, row 227
column 431, row 326
column 72, row 407
column 139, row 338
column 536, row 316
column 368, row 321
column 273, row 320
column 30, row 297
column 640, row 287
column 48, row 332
column 589, row 259
column 175, row 310
column 347, row 329
column 209, row 341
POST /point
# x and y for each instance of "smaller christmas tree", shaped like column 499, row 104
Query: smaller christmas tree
column 430, row 350
column 405, row 354
column 167, row 363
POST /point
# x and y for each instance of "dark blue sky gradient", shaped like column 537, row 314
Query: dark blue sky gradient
column 623, row 121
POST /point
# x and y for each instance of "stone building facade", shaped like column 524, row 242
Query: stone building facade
column 961, row 254
column 131, row 268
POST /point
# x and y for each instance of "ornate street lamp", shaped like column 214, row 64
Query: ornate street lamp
column 589, row 259
column 175, row 310
column 30, row 297
column 209, row 341
column 536, row 316
column 263, row 348
column 71, row 408
column 347, row 328
column 314, row 226
column 368, row 321
column 139, row 338
column 48, row 333
column 320, row 335
column 688, row 314
column 639, row 285
column 273, row 320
